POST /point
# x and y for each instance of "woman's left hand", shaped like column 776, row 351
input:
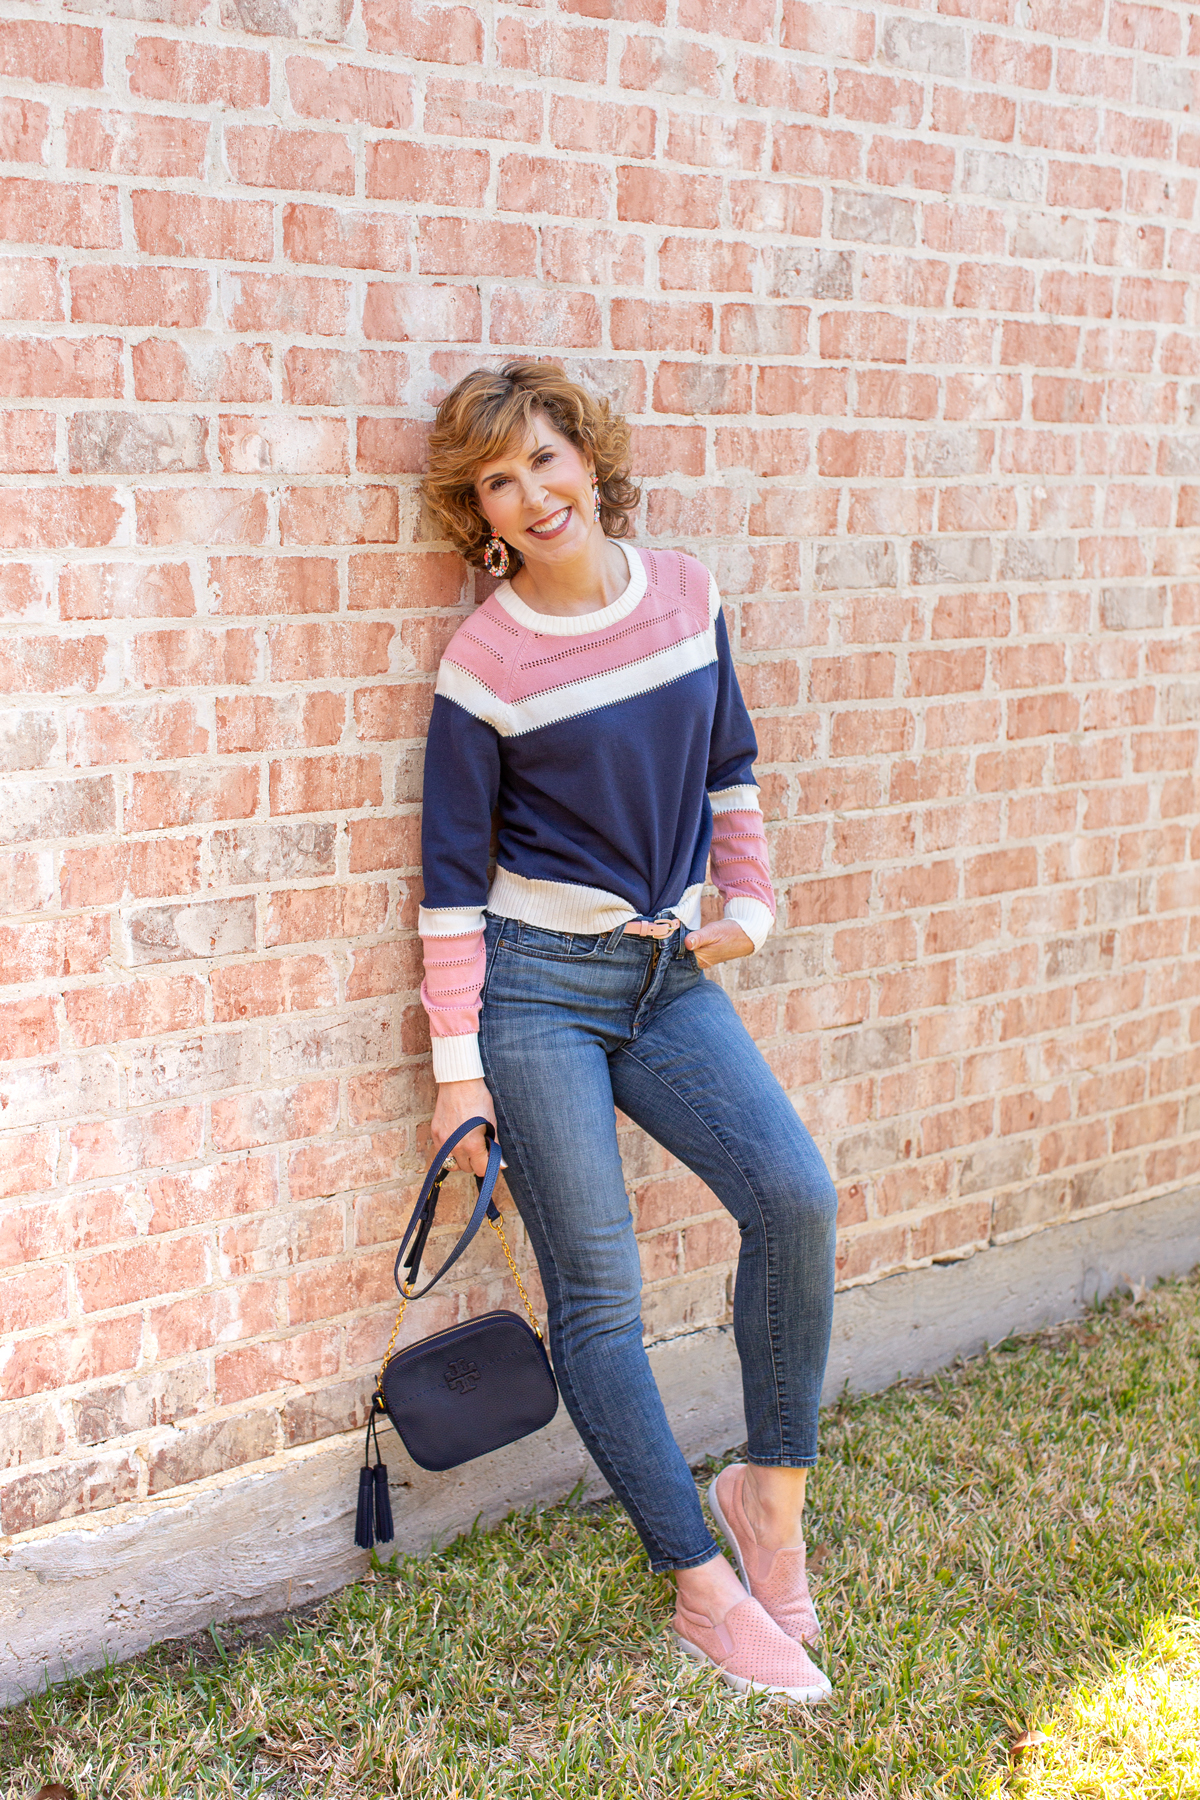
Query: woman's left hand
column 719, row 942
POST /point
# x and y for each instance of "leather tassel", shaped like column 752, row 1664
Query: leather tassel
column 364, row 1524
column 383, row 1504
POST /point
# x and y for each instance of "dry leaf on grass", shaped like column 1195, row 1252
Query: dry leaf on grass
column 1028, row 1740
column 817, row 1557
column 53, row 1790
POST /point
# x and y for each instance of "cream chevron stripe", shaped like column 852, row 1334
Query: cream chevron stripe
column 574, row 698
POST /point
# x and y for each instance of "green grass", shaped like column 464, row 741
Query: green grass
column 1011, row 1546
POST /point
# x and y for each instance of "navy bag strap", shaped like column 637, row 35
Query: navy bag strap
column 421, row 1222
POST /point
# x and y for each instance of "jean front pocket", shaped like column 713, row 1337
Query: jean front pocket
column 547, row 946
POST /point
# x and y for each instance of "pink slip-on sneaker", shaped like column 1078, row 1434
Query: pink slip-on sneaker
column 751, row 1652
column 776, row 1578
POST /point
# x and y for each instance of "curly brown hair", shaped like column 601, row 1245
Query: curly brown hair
column 480, row 418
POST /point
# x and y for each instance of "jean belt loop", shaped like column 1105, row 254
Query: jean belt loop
column 613, row 939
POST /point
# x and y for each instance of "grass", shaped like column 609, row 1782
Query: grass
column 1010, row 1547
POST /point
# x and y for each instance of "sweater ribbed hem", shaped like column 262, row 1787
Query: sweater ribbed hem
column 457, row 1058
column 566, row 906
column 754, row 918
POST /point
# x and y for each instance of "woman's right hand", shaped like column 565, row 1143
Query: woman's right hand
column 457, row 1102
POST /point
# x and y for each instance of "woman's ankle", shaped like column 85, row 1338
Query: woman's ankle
column 711, row 1588
column 773, row 1502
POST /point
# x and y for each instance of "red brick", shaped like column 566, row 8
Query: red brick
column 653, row 64
column 391, row 446
column 238, row 1310
column 38, row 1364
column 52, row 54
column 252, row 585
column 196, row 75
column 383, row 844
column 325, row 784
column 163, row 370
column 846, row 33
column 471, row 247
column 269, row 156
column 393, row 968
column 657, row 197
column 98, row 735
column 135, row 143
column 381, row 580
column 438, row 34
column 565, row 187
column 444, row 313
column 254, row 990
column 313, row 305
column 816, row 150
column 171, row 224
column 600, row 128
column 133, row 1009
column 804, row 391
column 141, row 1141
column 860, row 453
column 867, row 337
column 194, row 658
column 265, row 722
column 422, row 173
column 24, row 125
column 538, row 317
column 247, row 1121
column 666, row 325
column 892, row 163
column 102, row 874
column 962, row 114
column 27, row 443
column 785, row 207
column 104, row 294
column 1150, row 28
column 27, row 1028
column 331, row 515
column 59, row 518
column 30, row 289
column 201, row 516
column 359, row 96
column 315, row 915
column 159, row 799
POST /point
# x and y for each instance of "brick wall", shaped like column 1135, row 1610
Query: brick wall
column 901, row 302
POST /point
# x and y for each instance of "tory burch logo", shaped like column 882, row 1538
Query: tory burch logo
column 462, row 1376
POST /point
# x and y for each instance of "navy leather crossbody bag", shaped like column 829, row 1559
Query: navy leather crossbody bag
column 465, row 1391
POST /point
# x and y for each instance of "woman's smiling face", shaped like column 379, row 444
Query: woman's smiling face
column 538, row 496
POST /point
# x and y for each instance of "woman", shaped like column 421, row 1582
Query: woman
column 592, row 701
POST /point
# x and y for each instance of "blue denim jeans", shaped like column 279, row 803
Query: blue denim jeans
column 572, row 1025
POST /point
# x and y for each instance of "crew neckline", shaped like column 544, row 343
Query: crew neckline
column 578, row 624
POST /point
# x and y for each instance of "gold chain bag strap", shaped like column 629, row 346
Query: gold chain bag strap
column 465, row 1391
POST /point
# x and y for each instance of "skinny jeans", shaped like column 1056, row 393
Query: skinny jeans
column 573, row 1024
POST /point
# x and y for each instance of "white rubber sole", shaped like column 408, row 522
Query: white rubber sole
column 742, row 1684
column 714, row 1507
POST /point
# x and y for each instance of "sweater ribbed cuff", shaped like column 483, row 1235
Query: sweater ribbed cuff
column 457, row 1058
column 754, row 918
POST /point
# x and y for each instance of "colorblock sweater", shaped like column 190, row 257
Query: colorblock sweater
column 619, row 759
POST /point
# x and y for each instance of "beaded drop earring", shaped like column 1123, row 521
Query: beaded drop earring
column 495, row 556
column 596, row 497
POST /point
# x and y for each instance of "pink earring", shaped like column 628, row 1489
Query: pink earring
column 495, row 556
column 596, row 496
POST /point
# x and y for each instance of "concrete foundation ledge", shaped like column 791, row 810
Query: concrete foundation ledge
column 280, row 1534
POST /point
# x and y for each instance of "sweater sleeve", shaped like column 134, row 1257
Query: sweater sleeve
column 740, row 867
column 461, row 787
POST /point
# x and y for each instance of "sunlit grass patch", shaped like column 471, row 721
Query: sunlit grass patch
column 1133, row 1736
column 991, row 1545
